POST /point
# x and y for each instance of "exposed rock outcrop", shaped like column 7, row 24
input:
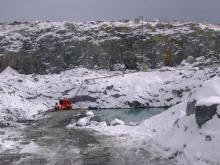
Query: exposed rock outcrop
column 51, row 47
column 204, row 113
column 83, row 98
column 191, row 107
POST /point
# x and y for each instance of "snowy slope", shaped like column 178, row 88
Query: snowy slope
column 23, row 96
column 176, row 135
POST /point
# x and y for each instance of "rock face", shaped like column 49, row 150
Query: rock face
column 204, row 113
column 82, row 98
column 50, row 47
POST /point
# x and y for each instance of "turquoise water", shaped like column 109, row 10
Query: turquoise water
column 128, row 115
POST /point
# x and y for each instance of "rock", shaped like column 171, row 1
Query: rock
column 135, row 104
column 184, row 63
column 208, row 138
column 102, row 124
column 83, row 98
column 4, row 124
column 190, row 59
column 211, row 60
column 105, row 92
column 190, row 108
column 89, row 113
column 116, row 121
column 117, row 95
column 204, row 113
column 214, row 59
column 178, row 93
column 2, row 132
column 200, row 59
column 133, row 123
column 96, row 118
column 218, row 111
column 109, row 87
column 118, row 67
column 53, row 49
column 82, row 122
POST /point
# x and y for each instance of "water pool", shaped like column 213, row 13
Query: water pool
column 128, row 115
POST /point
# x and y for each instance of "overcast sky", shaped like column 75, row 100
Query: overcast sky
column 82, row 10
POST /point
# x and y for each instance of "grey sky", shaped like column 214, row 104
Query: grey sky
column 78, row 10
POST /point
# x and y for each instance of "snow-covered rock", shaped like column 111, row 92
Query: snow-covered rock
column 82, row 122
column 204, row 101
column 89, row 113
column 218, row 110
column 10, row 71
column 209, row 93
column 200, row 59
column 190, row 59
column 106, row 41
column 116, row 121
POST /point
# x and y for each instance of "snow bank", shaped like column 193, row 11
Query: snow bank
column 190, row 144
column 209, row 93
column 116, row 121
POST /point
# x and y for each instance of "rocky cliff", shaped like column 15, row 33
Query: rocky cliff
column 51, row 47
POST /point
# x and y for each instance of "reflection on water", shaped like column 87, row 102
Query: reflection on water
column 128, row 115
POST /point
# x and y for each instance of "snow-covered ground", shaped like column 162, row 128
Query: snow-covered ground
column 172, row 132
column 22, row 96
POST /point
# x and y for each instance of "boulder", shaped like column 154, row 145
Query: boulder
column 120, row 67
column 133, row 123
column 89, row 113
column 190, row 59
column 116, row 121
column 204, row 113
column 82, row 122
column 190, row 108
column 200, row 59
column 96, row 118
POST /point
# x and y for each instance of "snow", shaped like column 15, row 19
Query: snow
column 31, row 148
column 116, row 121
column 8, row 70
column 89, row 113
column 210, row 26
column 82, row 122
column 218, row 110
column 209, row 93
column 33, row 94
column 171, row 132
column 13, row 36
column 208, row 101
column 187, row 138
